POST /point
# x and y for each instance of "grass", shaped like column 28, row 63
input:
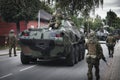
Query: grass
column 3, row 47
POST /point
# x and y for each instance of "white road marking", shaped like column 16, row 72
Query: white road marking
column 27, row 68
column 6, row 75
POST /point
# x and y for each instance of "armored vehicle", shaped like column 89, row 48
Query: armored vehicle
column 49, row 43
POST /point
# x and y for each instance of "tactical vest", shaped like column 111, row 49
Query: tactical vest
column 12, row 39
column 91, row 48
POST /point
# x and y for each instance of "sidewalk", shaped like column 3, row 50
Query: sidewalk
column 6, row 52
column 112, row 72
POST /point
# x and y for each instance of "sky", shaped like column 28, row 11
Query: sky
column 114, row 5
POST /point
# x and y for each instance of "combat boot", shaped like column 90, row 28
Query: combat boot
column 10, row 55
column 15, row 55
column 98, row 77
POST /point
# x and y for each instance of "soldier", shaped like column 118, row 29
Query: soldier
column 93, row 56
column 56, row 19
column 12, row 42
column 52, row 22
column 110, row 44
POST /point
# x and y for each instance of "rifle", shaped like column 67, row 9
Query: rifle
column 106, row 62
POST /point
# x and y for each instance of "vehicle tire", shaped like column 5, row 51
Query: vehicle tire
column 80, row 53
column 71, row 56
column 83, row 55
column 24, row 59
column 33, row 59
column 76, row 54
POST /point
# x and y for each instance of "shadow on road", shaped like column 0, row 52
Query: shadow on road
column 53, row 63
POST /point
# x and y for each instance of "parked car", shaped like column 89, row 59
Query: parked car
column 46, row 43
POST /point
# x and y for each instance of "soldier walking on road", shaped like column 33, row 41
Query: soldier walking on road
column 12, row 42
column 110, row 44
column 93, row 57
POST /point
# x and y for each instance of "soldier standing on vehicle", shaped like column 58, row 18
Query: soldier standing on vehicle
column 110, row 41
column 56, row 19
column 93, row 57
column 12, row 42
column 52, row 21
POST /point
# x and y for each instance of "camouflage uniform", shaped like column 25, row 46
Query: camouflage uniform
column 52, row 22
column 12, row 42
column 93, row 57
column 110, row 44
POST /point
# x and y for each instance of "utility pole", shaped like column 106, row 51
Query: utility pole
column 39, row 19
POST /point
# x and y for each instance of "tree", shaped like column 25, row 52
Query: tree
column 111, row 17
column 17, row 10
column 97, row 24
column 73, row 7
column 112, row 20
column 117, row 23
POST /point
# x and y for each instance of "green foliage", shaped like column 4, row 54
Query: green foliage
column 111, row 17
column 89, row 24
column 93, row 23
column 112, row 20
column 117, row 21
column 45, row 7
column 74, row 6
column 16, row 10
column 78, row 21
column 97, row 23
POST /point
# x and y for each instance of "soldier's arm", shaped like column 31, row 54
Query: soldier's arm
column 104, row 59
column 107, row 40
column 114, row 40
column 86, row 45
column 100, row 53
column 8, row 40
column 15, row 39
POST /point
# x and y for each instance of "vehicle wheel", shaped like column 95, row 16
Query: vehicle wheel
column 71, row 56
column 76, row 54
column 83, row 55
column 33, row 59
column 80, row 53
column 24, row 59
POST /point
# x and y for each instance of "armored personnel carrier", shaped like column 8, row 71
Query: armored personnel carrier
column 49, row 43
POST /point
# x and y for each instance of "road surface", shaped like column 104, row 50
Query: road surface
column 11, row 68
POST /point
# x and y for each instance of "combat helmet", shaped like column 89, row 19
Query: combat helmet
column 92, row 38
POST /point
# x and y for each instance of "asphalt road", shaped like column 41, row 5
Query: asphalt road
column 12, row 69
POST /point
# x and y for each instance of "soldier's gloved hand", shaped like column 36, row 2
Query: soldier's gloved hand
column 104, row 59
